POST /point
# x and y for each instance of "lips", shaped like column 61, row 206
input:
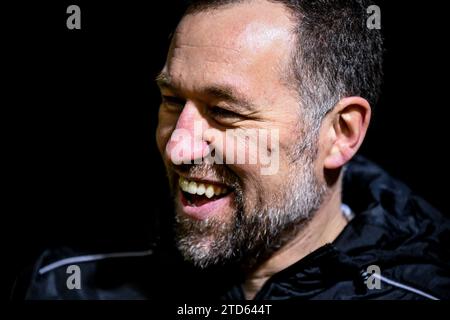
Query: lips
column 202, row 199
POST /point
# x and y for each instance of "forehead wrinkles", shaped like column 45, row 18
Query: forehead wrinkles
column 239, row 28
column 203, row 53
column 251, row 26
column 200, row 41
column 240, row 43
column 191, row 72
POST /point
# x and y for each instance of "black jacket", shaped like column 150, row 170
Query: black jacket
column 390, row 229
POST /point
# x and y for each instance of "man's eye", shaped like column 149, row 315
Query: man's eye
column 220, row 113
column 173, row 101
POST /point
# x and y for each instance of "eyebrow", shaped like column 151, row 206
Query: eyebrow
column 219, row 92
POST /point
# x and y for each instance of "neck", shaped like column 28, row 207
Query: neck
column 324, row 227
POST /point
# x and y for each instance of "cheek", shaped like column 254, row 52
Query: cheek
column 266, row 185
column 253, row 184
column 266, row 161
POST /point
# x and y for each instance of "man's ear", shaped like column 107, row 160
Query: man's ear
column 349, row 121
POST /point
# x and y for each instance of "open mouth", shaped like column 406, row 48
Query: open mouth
column 201, row 199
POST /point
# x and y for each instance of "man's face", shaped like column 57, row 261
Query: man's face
column 225, row 80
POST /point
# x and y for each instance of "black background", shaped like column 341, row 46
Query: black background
column 79, row 108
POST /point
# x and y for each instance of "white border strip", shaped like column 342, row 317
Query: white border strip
column 93, row 257
column 403, row 286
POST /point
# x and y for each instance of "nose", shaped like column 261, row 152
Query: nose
column 187, row 144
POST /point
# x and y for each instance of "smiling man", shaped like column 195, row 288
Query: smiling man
column 231, row 67
column 308, row 69
column 286, row 85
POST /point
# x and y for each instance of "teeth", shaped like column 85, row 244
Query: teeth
column 209, row 191
column 184, row 184
column 193, row 187
column 201, row 189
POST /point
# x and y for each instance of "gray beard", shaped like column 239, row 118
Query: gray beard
column 253, row 234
